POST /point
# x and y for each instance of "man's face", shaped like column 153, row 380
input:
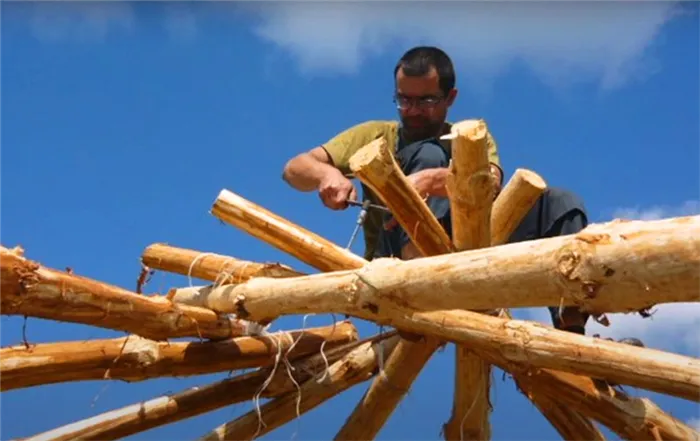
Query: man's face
column 422, row 105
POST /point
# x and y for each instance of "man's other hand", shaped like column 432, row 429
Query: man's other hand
column 335, row 190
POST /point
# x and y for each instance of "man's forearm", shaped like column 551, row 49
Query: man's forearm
column 305, row 172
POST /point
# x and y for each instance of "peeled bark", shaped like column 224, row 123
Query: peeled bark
column 356, row 367
column 134, row 358
column 306, row 246
column 120, row 423
column 210, row 266
column 612, row 267
column 631, row 418
column 375, row 166
column 30, row 289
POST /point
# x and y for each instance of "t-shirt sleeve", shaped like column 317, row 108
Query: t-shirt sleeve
column 342, row 146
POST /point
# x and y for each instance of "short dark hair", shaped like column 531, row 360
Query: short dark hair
column 417, row 62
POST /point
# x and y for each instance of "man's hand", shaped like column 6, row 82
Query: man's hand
column 429, row 182
column 335, row 190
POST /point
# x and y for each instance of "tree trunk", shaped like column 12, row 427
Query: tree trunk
column 356, row 367
column 136, row 418
column 210, row 266
column 134, row 358
column 306, row 246
column 611, row 267
column 29, row 289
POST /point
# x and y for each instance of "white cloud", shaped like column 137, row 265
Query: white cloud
column 688, row 208
column 562, row 42
column 673, row 327
column 694, row 423
column 82, row 21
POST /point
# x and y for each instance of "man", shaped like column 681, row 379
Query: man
column 425, row 81
column 425, row 90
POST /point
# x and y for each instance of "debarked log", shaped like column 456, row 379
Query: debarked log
column 631, row 418
column 356, row 367
column 611, row 267
column 134, row 358
column 30, row 289
column 265, row 383
column 210, row 266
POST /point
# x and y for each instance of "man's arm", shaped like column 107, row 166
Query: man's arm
column 305, row 171
column 314, row 170
column 432, row 181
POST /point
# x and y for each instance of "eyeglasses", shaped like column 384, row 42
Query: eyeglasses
column 422, row 102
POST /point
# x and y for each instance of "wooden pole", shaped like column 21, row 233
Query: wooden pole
column 631, row 418
column 570, row 424
column 210, row 266
column 470, row 186
column 306, row 246
column 515, row 201
column 356, row 367
column 611, row 267
column 133, row 358
column 471, row 407
column 266, row 383
column 30, row 289
column 375, row 166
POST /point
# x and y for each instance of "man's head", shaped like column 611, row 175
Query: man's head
column 425, row 89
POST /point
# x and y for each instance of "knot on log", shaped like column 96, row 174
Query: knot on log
column 516, row 352
column 576, row 263
column 140, row 351
column 26, row 273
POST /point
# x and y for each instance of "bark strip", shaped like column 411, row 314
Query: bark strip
column 133, row 358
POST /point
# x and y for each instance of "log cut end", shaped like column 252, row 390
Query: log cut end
column 375, row 155
column 530, row 178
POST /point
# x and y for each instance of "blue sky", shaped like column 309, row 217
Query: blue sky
column 122, row 122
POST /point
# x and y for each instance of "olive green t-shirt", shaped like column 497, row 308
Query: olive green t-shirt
column 345, row 144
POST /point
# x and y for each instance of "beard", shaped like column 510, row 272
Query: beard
column 418, row 128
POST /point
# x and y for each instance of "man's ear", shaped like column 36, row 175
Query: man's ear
column 451, row 97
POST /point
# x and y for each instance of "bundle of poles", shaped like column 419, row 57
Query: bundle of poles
column 458, row 292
